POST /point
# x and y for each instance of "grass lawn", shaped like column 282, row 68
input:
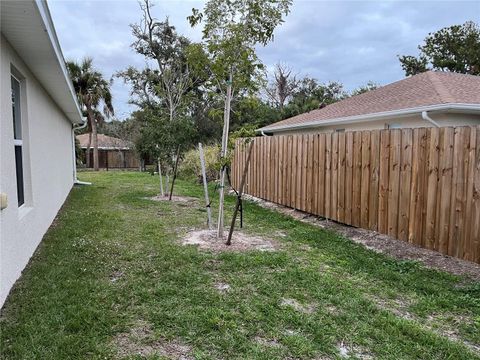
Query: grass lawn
column 111, row 280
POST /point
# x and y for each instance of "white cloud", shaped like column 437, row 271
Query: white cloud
column 348, row 41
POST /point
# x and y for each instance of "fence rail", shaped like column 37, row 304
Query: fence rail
column 418, row 185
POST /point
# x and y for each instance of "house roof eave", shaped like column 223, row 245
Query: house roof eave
column 453, row 107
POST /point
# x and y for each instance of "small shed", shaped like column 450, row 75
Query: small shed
column 113, row 153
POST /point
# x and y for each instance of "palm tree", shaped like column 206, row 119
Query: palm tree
column 92, row 92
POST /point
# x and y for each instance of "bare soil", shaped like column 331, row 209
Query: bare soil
column 307, row 309
column 382, row 243
column 139, row 342
column 241, row 242
column 175, row 198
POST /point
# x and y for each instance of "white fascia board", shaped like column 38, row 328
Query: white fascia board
column 52, row 35
column 376, row 116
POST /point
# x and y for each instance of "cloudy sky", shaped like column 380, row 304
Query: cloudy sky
column 348, row 41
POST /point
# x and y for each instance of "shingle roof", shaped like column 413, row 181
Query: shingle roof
column 105, row 142
column 425, row 89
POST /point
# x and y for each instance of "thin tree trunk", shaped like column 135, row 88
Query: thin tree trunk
column 175, row 172
column 87, row 151
column 160, row 176
column 167, row 180
column 226, row 124
column 205, row 187
column 95, row 139
column 239, row 195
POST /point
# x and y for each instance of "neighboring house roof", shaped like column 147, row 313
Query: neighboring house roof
column 428, row 91
column 105, row 142
column 28, row 27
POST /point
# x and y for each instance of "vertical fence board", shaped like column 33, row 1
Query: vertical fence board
column 341, row 178
column 405, row 184
column 456, row 211
column 305, row 155
column 348, row 176
column 475, row 229
column 310, row 195
column 315, row 171
column 321, row 174
column 365, row 187
column 328, row 175
column 374, row 180
column 432, row 187
column 357, row 177
column 384, row 181
column 470, row 167
column 334, row 186
column 419, row 171
column 445, row 163
column 394, row 182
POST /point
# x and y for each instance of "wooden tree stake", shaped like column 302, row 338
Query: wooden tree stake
column 174, row 172
column 160, row 176
column 239, row 196
column 205, row 187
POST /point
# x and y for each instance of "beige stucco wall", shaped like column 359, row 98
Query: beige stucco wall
column 443, row 119
column 48, row 168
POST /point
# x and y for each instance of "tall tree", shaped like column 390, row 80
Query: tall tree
column 311, row 95
column 232, row 29
column 455, row 48
column 93, row 93
column 369, row 86
column 165, row 88
column 159, row 41
column 283, row 85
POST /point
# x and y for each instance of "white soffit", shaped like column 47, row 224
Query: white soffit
column 28, row 27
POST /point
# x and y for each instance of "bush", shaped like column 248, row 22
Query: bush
column 190, row 166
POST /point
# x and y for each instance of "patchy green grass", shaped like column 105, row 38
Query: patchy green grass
column 111, row 280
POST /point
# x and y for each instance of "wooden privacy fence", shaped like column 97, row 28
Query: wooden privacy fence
column 417, row 185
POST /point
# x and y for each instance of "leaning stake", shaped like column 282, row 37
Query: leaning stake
column 205, row 187
column 160, row 176
column 239, row 196
column 174, row 172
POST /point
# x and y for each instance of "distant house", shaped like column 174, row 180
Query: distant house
column 37, row 114
column 429, row 99
column 113, row 153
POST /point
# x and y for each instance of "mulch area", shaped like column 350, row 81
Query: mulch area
column 208, row 240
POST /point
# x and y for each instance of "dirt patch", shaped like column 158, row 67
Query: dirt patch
column 175, row 198
column 267, row 342
column 348, row 351
column 435, row 323
column 306, row 309
column 222, row 287
column 115, row 276
column 207, row 240
column 140, row 342
column 399, row 306
column 382, row 243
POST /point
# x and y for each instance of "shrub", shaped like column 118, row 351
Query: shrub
column 190, row 166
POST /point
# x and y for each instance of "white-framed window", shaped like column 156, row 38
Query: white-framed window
column 18, row 138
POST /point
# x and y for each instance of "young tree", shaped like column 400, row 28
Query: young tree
column 165, row 89
column 283, row 85
column 93, row 91
column 231, row 31
column 455, row 48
